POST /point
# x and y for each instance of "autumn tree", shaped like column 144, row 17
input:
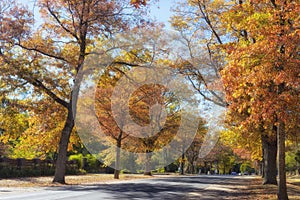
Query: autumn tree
column 104, row 113
column 244, row 140
column 41, row 137
column 221, row 159
column 13, row 122
column 144, row 111
column 193, row 18
column 136, row 80
column 28, row 131
column 192, row 153
column 49, row 57
column 261, row 78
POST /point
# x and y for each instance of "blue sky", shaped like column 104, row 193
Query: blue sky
column 161, row 10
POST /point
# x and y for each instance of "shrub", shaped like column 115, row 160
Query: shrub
column 87, row 163
column 78, row 158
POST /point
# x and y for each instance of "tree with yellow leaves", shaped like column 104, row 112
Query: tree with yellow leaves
column 49, row 57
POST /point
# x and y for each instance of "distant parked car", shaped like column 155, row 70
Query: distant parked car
column 246, row 173
column 233, row 173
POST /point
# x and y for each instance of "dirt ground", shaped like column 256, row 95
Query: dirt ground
column 255, row 190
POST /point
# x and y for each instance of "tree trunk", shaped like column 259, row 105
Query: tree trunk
column 205, row 167
column 261, row 169
column 270, row 153
column 117, row 164
column 182, row 165
column 193, row 168
column 262, row 164
column 217, row 171
column 60, row 168
column 148, row 164
column 282, row 191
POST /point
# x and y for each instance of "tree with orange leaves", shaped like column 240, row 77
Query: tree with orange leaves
column 49, row 57
column 262, row 75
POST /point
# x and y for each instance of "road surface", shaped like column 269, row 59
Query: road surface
column 175, row 188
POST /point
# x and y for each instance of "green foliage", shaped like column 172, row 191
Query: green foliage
column 245, row 167
column 87, row 163
column 227, row 162
column 124, row 171
column 78, row 158
column 93, row 165
column 290, row 161
column 161, row 170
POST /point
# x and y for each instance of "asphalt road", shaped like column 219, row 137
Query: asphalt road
column 175, row 188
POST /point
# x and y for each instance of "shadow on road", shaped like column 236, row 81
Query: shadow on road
column 168, row 188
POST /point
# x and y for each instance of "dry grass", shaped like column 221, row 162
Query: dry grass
column 71, row 180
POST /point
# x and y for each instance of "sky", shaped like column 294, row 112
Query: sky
column 161, row 11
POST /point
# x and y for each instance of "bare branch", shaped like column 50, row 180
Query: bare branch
column 222, row 104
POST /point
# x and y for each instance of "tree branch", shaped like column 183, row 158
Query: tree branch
column 39, row 84
column 35, row 82
column 41, row 52
column 60, row 23
column 207, row 20
column 222, row 104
